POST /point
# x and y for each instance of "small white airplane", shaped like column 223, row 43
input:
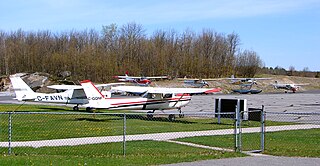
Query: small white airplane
column 153, row 98
column 197, row 83
column 290, row 87
column 238, row 81
column 142, row 81
column 72, row 94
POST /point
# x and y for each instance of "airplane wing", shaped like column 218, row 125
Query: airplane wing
column 109, row 84
column 302, row 84
column 198, row 79
column 157, row 77
column 188, row 79
column 67, row 87
column 135, row 89
column 238, row 78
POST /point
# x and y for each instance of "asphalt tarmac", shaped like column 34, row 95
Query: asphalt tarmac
column 307, row 102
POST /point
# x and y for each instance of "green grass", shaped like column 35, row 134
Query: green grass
column 137, row 153
column 48, row 126
column 303, row 143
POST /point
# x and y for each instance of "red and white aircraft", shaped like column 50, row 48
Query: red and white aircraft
column 153, row 98
column 143, row 81
column 287, row 86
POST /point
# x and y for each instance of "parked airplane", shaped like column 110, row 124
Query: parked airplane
column 243, row 80
column 247, row 88
column 198, row 83
column 153, row 99
column 143, row 81
column 290, row 87
column 72, row 94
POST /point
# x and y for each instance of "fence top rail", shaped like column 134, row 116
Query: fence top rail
column 156, row 113
column 294, row 113
column 119, row 113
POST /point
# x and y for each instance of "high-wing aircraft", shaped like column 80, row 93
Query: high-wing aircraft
column 143, row 81
column 238, row 81
column 198, row 83
column 72, row 94
column 153, row 98
column 290, row 87
column 247, row 88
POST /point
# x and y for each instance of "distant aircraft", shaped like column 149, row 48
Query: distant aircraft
column 153, row 98
column 142, row 81
column 198, row 83
column 72, row 94
column 244, row 80
column 246, row 88
column 290, row 87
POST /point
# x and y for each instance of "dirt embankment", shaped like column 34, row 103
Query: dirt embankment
column 266, row 85
column 306, row 83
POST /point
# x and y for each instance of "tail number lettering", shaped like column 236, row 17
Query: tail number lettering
column 94, row 98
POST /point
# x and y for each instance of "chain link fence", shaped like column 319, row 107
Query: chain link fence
column 36, row 133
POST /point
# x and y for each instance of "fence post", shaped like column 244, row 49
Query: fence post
column 219, row 110
column 237, row 129
column 262, row 143
column 9, row 133
column 124, row 134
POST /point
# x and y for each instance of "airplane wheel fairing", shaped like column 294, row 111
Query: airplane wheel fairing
column 172, row 117
column 181, row 115
column 89, row 109
column 75, row 108
column 149, row 114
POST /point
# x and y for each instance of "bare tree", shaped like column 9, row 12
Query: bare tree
column 248, row 63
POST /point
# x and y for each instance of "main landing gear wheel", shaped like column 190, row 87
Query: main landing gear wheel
column 149, row 114
column 172, row 117
column 89, row 109
column 76, row 108
column 181, row 115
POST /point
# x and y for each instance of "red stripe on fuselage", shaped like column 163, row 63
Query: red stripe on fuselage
column 150, row 101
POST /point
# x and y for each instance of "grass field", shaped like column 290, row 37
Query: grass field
column 56, row 126
column 137, row 153
column 52, row 126
column 302, row 143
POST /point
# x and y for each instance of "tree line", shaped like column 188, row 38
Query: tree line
column 98, row 55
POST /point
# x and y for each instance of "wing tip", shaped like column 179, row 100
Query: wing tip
column 85, row 81
column 214, row 90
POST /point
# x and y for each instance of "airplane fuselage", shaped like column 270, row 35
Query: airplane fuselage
column 64, row 98
column 150, row 102
column 290, row 87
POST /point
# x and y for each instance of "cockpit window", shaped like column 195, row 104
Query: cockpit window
column 167, row 96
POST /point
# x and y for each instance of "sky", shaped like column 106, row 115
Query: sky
column 284, row 33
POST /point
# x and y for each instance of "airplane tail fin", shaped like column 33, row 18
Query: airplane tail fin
column 22, row 90
column 233, row 80
column 94, row 96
